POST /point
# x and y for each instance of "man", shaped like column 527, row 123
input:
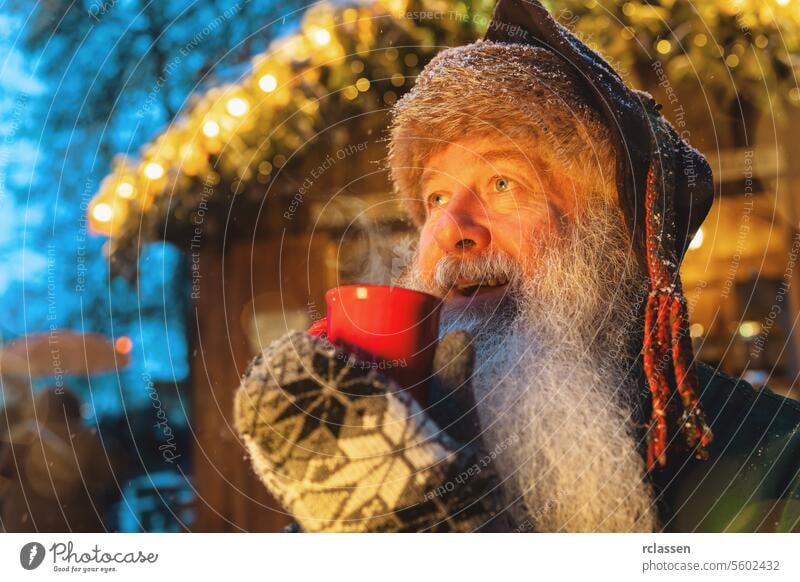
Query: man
column 554, row 206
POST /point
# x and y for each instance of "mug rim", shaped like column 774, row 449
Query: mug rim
column 394, row 288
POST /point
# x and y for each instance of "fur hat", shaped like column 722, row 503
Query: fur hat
column 512, row 90
column 531, row 76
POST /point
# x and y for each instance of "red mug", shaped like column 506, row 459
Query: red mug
column 395, row 329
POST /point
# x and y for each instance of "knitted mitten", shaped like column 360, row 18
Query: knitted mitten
column 346, row 449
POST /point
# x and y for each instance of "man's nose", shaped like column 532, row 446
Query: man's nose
column 460, row 228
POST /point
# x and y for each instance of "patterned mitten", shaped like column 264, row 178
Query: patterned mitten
column 346, row 449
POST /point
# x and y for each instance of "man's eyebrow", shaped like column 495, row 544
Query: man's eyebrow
column 429, row 174
column 426, row 176
column 494, row 157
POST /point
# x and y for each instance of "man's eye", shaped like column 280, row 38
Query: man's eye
column 437, row 199
column 502, row 184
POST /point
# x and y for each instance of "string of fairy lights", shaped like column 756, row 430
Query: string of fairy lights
column 346, row 59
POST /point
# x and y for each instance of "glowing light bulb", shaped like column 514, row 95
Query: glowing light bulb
column 396, row 7
column 268, row 83
column 663, row 46
column 237, row 106
column 102, row 212
column 154, row 170
column 321, row 36
column 125, row 190
column 211, row 128
column 123, row 344
column 697, row 241
column 696, row 330
column 363, row 84
column 749, row 329
column 783, row 2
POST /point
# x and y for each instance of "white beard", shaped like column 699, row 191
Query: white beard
column 556, row 384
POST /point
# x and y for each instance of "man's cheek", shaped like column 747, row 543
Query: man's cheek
column 530, row 248
column 426, row 238
column 427, row 249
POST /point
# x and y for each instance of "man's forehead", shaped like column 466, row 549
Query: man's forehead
column 488, row 151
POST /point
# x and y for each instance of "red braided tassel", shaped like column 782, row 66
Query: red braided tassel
column 655, row 350
column 667, row 343
column 693, row 422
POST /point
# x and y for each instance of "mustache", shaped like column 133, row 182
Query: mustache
column 484, row 266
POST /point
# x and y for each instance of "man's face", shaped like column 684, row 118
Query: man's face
column 490, row 194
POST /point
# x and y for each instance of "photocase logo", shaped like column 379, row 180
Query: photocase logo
column 31, row 555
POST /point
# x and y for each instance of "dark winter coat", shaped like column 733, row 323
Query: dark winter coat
column 751, row 480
